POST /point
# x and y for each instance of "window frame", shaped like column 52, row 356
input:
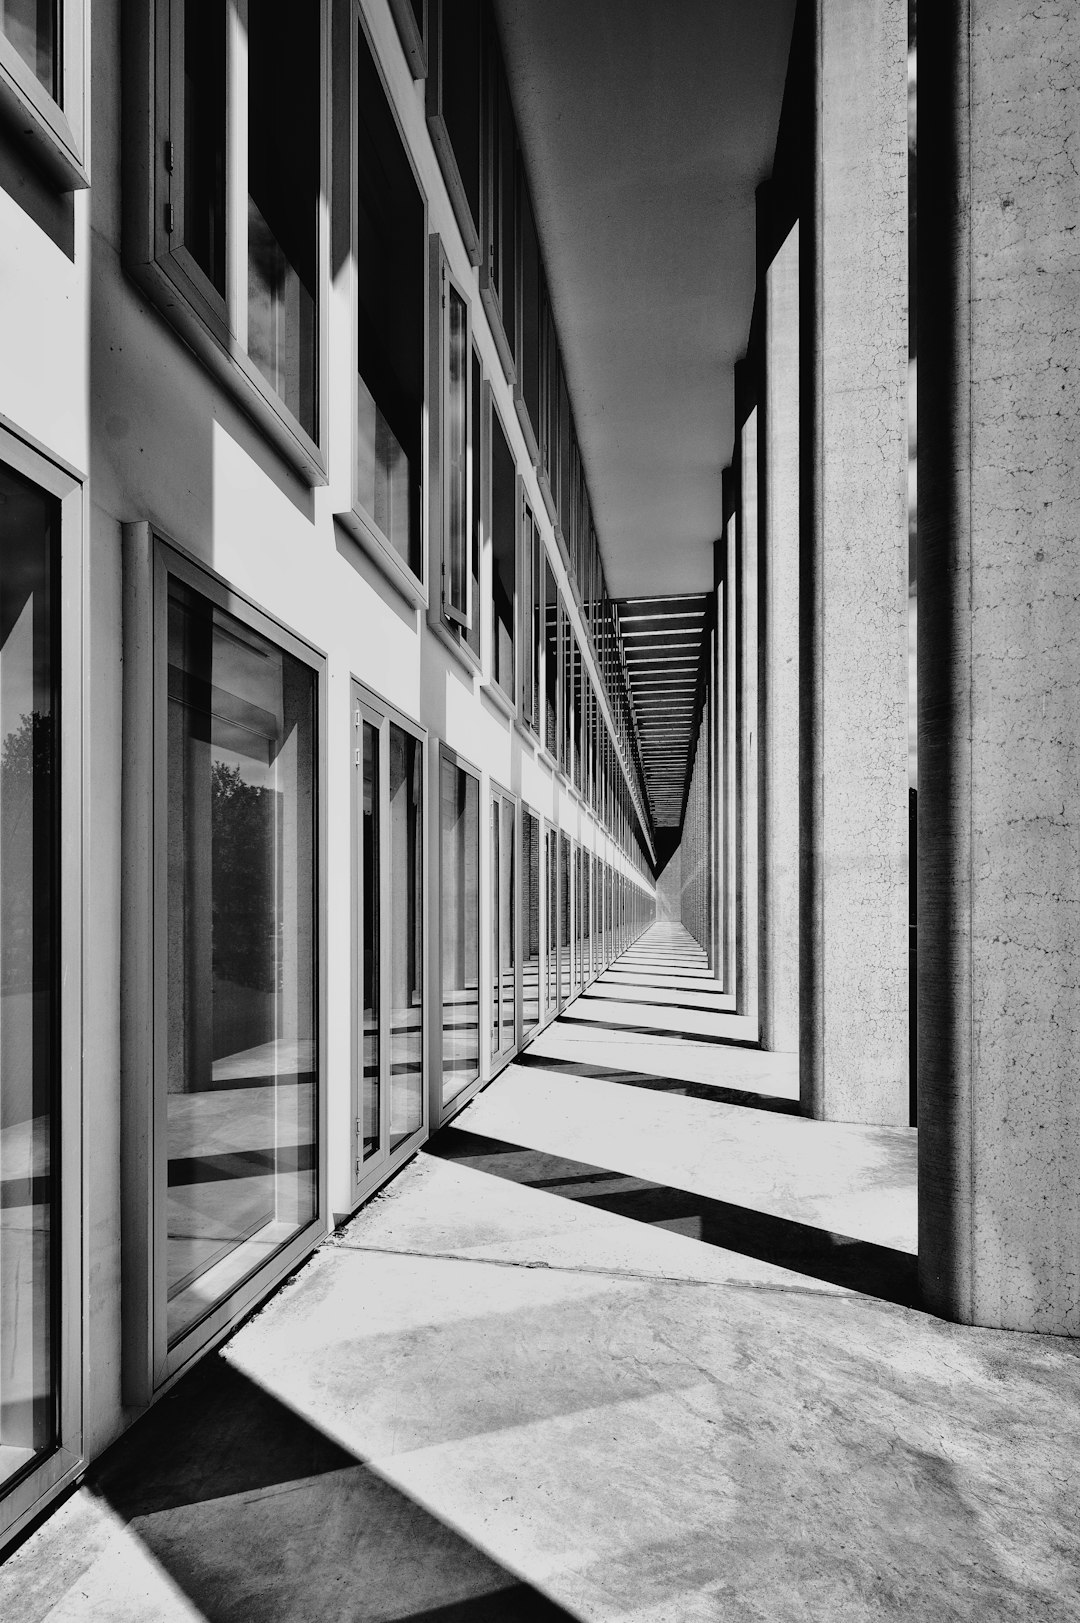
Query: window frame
column 149, row 1366
column 54, row 131
column 499, row 798
column 452, row 627
column 440, row 132
column 153, row 173
column 530, row 603
column 366, row 1177
column 441, row 1111
column 414, row 38
column 41, row 1480
column 505, row 698
column 355, row 518
column 527, row 811
column 493, row 230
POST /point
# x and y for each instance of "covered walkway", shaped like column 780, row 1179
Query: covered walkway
column 631, row 1338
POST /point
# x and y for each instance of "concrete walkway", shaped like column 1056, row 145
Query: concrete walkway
column 629, row 1340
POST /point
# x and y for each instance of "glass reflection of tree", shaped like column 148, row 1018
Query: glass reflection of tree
column 246, row 923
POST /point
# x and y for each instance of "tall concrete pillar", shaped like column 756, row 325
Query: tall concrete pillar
column 854, row 984
column 725, row 572
column 748, row 730
column 999, row 663
column 778, row 697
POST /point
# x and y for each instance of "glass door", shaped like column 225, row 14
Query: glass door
column 503, row 924
column 388, row 765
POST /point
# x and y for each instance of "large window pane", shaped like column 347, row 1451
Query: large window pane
column 241, row 965
column 406, row 956
column 390, row 254
column 32, row 26
column 459, row 829
column 29, row 535
column 530, row 920
column 283, row 197
column 503, row 557
column 552, row 873
column 564, row 918
column 508, row 928
column 370, row 1110
column 456, row 450
column 204, row 137
column 551, row 662
column 460, row 92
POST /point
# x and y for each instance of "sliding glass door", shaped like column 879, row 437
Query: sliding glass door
column 388, row 870
column 459, row 922
column 503, row 924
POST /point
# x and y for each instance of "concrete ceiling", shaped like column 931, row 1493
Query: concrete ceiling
column 646, row 126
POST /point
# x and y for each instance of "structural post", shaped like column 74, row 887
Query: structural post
column 724, row 571
column 778, row 699
column 999, row 663
column 854, row 1045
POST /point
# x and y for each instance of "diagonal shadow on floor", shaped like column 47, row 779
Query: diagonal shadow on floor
column 627, row 1030
column 839, row 1259
column 260, row 1517
column 662, row 1084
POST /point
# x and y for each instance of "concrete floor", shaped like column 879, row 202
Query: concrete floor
column 627, row 1341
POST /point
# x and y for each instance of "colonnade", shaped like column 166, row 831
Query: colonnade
column 809, row 676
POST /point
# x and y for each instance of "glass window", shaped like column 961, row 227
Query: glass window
column 459, row 836
column 531, row 618
column 564, row 918
column 371, row 876
column 503, row 924
column 455, row 111
column 283, row 199
column 503, row 556
column 528, row 350
column 551, row 662
column 456, row 489
column 29, row 850
column 405, row 957
column 32, row 26
column 390, row 253
column 240, row 932
column 204, row 137
column 530, row 920
column 551, row 871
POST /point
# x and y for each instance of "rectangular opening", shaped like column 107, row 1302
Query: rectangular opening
column 390, row 322
column 240, row 924
column 503, row 556
column 459, row 842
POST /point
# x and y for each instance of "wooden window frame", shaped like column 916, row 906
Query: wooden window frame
column 150, row 1366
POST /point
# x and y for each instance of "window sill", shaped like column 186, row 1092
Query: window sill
column 412, row 39
column 531, row 443
column 501, row 699
column 206, row 336
column 366, row 533
column 460, row 650
column 38, row 123
column 490, row 300
column 549, row 499
column 455, row 186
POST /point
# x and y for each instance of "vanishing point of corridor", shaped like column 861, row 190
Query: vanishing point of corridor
column 631, row 1338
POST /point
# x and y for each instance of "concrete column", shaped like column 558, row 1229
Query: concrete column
column 854, row 986
column 746, row 700
column 724, row 569
column 999, row 663
column 778, row 601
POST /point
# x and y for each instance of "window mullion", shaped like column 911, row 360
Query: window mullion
column 386, row 1042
